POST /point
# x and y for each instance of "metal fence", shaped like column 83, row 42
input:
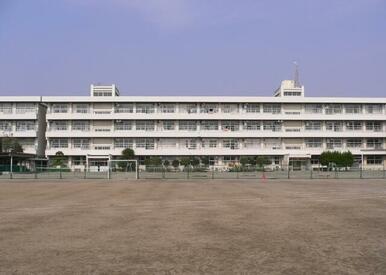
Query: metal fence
column 162, row 173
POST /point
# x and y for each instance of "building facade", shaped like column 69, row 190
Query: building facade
column 290, row 129
column 24, row 119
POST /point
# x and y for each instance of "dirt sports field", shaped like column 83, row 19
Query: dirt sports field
column 193, row 227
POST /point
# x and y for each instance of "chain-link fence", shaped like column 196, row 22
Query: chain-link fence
column 189, row 173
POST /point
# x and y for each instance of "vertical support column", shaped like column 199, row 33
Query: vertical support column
column 11, row 168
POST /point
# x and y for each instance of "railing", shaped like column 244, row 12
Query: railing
column 188, row 173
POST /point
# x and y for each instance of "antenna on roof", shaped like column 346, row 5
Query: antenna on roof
column 296, row 76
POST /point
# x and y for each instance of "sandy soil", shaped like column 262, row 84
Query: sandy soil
column 193, row 227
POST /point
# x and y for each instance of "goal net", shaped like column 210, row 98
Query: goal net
column 123, row 169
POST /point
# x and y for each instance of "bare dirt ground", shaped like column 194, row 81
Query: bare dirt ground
column 193, row 227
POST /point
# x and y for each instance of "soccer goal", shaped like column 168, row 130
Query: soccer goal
column 123, row 168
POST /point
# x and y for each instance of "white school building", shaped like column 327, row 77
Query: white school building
column 292, row 130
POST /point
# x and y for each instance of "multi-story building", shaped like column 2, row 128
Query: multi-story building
column 289, row 128
column 24, row 119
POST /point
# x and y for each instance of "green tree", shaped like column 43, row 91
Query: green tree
column 58, row 159
column 347, row 159
column 262, row 161
column 127, row 154
column 11, row 145
column 244, row 161
column 336, row 158
column 166, row 163
column 156, row 161
column 185, row 161
column 252, row 161
column 176, row 163
column 326, row 158
column 205, row 160
column 153, row 161
column 195, row 162
column 147, row 162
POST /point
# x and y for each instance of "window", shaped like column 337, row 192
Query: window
column 354, row 143
column 59, row 143
column 6, row 108
column 374, row 108
column 59, row 125
column 230, row 108
column 232, row 144
column 145, row 108
column 230, row 160
column 25, row 126
column 191, row 144
column 252, row 143
column 374, row 160
column 82, row 143
column 168, row 125
column 124, row 108
column 315, row 160
column 145, row 125
column 167, row 143
column 230, row 125
column 80, row 125
column 146, row 143
column 353, row 125
column 313, row 142
column 22, row 108
column 272, row 108
column 353, row 108
column 5, row 126
column 79, row 160
column 123, row 125
column 374, row 143
column 209, row 125
column 335, row 126
column 252, row 108
column 102, row 147
column 103, row 94
column 209, row 143
column 313, row 125
column 292, row 93
column 375, row 126
column 357, row 160
column 186, row 125
column 273, row 144
column 277, row 160
column 313, row 108
column 332, row 109
column 167, row 108
column 59, row 108
column 123, row 143
column 209, row 108
column 27, row 142
column 252, row 125
column 274, row 126
column 333, row 143
column 81, row 108
column 188, row 108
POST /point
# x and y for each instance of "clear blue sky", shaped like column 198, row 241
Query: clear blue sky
column 192, row 47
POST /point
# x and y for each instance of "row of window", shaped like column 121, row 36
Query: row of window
column 274, row 108
column 213, row 125
column 331, row 143
column 148, row 143
column 20, row 126
column 20, row 108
